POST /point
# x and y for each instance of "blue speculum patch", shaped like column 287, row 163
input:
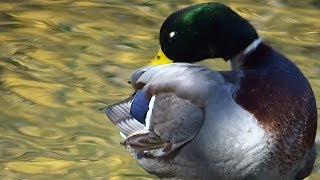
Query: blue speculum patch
column 139, row 107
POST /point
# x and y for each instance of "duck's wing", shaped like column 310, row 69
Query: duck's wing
column 179, row 94
column 188, row 81
column 119, row 115
column 171, row 122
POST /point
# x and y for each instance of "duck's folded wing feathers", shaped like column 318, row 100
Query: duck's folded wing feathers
column 174, row 122
column 182, row 91
column 119, row 114
column 188, row 81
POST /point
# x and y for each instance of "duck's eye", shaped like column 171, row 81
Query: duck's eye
column 172, row 34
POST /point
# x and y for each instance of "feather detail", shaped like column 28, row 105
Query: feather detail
column 119, row 114
column 139, row 106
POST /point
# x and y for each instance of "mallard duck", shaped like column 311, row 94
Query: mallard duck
column 186, row 121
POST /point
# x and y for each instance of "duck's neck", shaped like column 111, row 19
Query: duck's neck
column 238, row 62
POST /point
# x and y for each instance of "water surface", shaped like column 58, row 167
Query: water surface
column 62, row 60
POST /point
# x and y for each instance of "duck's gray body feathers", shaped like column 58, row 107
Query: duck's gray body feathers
column 198, row 131
column 239, row 143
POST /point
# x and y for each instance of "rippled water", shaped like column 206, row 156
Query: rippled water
column 61, row 60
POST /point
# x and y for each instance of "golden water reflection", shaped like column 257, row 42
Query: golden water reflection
column 62, row 60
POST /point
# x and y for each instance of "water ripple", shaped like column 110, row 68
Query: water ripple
column 63, row 60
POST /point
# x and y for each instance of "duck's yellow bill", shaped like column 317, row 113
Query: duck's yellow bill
column 160, row 59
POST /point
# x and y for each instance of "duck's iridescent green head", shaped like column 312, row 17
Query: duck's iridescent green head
column 201, row 31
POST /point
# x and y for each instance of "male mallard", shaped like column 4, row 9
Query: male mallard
column 186, row 121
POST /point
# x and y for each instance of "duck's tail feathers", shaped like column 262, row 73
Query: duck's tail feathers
column 119, row 114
